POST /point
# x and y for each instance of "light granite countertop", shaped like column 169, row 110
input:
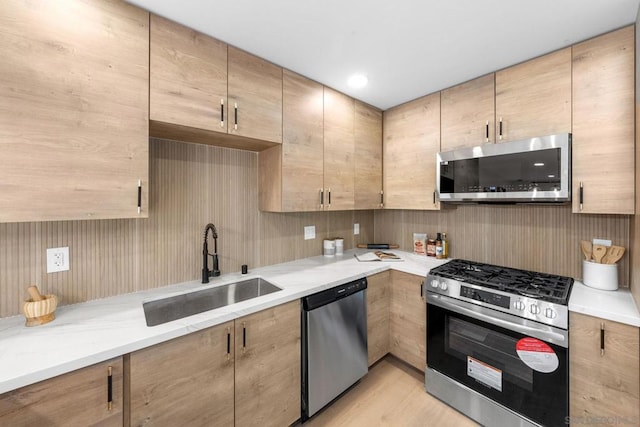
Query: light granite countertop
column 95, row 331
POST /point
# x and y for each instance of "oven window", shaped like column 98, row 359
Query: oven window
column 484, row 357
column 464, row 339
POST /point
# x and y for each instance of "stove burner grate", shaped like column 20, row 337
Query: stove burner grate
column 546, row 287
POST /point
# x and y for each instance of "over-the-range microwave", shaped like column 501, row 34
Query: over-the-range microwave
column 527, row 171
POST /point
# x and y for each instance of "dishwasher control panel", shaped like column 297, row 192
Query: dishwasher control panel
column 341, row 291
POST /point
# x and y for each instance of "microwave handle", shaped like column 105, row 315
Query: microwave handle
column 545, row 335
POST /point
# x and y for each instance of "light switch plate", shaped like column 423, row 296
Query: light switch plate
column 309, row 232
column 57, row 259
column 356, row 228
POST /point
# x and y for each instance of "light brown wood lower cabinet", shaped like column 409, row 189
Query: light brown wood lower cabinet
column 267, row 375
column 243, row 373
column 378, row 288
column 185, row 381
column 604, row 385
column 78, row 398
column 408, row 319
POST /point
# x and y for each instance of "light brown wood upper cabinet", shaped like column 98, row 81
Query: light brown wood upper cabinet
column 332, row 144
column 411, row 140
column 203, row 90
column 605, row 379
column 408, row 319
column 603, row 124
column 175, row 382
column 468, row 114
column 291, row 174
column 368, row 156
column 267, row 377
column 75, row 111
column 79, row 398
column 534, row 98
column 188, row 77
column 255, row 97
column 378, row 303
column 339, row 151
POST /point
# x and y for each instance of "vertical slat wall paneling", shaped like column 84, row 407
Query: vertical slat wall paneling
column 539, row 238
column 281, row 234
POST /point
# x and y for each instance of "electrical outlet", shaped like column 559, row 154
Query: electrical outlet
column 57, row 259
column 356, row 228
column 309, row 232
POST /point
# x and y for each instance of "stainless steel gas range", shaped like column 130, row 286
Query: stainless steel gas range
column 497, row 343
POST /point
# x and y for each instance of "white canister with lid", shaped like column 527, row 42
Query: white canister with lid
column 329, row 247
column 339, row 246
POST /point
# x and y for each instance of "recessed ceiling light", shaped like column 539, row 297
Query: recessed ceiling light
column 358, row 81
column 538, row 164
column 551, row 176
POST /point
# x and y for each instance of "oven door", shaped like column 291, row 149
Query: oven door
column 520, row 364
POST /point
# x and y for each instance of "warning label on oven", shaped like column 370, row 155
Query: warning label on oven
column 537, row 355
column 486, row 374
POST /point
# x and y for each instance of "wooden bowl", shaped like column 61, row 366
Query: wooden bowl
column 40, row 312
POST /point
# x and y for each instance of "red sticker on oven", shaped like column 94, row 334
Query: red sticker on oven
column 537, row 355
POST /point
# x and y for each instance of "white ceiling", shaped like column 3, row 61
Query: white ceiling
column 407, row 48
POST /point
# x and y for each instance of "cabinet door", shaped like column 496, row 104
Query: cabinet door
column 603, row 124
column 339, row 149
column 411, row 142
column 291, row 175
column 185, row 381
column 368, row 156
column 79, row 398
column 468, row 114
column 408, row 319
column 378, row 301
column 603, row 384
column 534, row 98
column 74, row 115
column 188, row 78
column 255, row 97
column 267, row 373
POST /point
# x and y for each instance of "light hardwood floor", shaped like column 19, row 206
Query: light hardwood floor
column 391, row 394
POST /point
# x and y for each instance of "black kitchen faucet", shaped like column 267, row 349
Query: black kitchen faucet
column 206, row 273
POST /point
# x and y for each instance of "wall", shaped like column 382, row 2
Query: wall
column 635, row 223
column 538, row 238
column 191, row 185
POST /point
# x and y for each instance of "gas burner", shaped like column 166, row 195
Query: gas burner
column 542, row 286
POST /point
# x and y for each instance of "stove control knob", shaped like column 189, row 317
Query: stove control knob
column 444, row 286
column 534, row 309
column 434, row 283
column 519, row 305
column 550, row 313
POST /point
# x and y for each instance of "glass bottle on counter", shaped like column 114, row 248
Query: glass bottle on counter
column 439, row 247
column 445, row 245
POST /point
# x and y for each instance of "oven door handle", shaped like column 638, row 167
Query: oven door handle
column 545, row 333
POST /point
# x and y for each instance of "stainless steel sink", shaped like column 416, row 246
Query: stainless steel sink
column 172, row 308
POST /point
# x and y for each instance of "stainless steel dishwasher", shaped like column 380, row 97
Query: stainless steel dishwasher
column 334, row 343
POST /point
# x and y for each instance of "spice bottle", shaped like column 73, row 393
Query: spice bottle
column 439, row 247
column 445, row 245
